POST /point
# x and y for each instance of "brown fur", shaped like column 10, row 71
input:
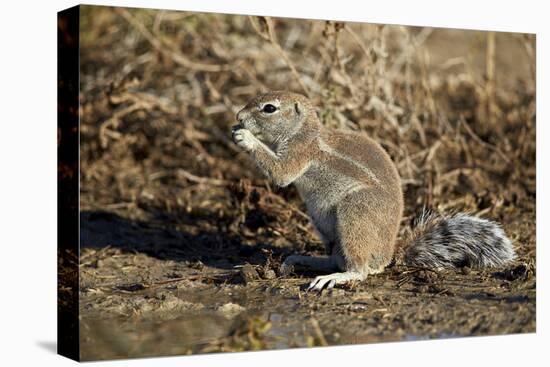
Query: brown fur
column 360, row 226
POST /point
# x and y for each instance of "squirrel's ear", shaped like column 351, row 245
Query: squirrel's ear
column 298, row 108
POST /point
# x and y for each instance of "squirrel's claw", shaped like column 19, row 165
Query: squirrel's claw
column 320, row 282
column 331, row 280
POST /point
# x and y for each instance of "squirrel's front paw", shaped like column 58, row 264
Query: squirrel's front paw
column 245, row 139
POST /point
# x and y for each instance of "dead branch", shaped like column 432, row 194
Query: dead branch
column 271, row 37
column 171, row 52
column 474, row 136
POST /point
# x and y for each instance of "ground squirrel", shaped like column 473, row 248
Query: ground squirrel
column 353, row 194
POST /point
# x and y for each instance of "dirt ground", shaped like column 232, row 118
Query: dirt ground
column 181, row 238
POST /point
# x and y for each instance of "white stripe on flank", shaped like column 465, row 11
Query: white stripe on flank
column 353, row 187
column 328, row 149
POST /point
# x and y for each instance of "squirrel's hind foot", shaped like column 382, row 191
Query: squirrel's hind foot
column 330, row 280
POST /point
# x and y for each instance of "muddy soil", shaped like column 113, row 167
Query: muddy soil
column 182, row 238
column 148, row 290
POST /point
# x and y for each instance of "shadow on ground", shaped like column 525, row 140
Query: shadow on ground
column 100, row 229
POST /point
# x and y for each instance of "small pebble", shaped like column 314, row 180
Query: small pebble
column 270, row 274
column 230, row 309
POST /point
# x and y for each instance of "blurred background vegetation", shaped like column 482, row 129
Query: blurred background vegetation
column 166, row 196
column 159, row 91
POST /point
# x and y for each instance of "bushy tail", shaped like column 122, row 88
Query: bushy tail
column 456, row 240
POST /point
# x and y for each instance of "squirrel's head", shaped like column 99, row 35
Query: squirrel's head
column 276, row 116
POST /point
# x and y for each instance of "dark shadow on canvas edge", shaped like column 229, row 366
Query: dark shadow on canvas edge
column 48, row 345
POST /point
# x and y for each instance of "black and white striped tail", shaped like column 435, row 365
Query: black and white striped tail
column 457, row 240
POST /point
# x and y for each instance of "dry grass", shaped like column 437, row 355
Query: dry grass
column 159, row 92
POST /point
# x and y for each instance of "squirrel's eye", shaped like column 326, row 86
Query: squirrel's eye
column 269, row 108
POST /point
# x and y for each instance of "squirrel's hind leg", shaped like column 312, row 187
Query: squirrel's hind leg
column 314, row 263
